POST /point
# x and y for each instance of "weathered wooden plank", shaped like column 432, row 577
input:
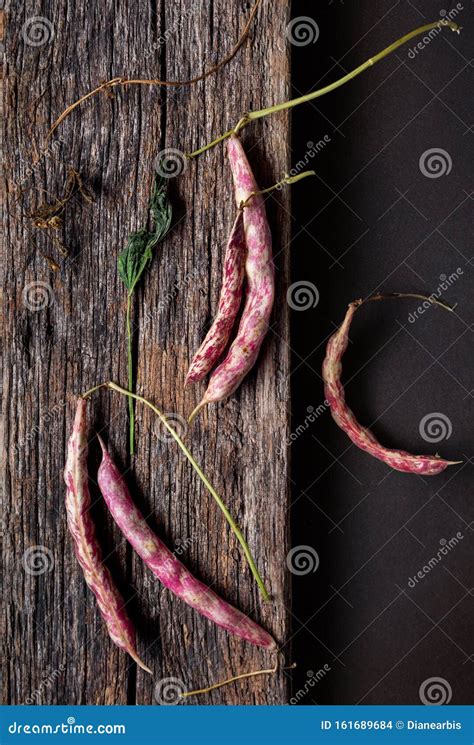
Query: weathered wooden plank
column 58, row 649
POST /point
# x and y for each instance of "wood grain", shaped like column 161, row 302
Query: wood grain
column 56, row 643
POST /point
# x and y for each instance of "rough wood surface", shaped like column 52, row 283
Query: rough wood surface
column 56, row 643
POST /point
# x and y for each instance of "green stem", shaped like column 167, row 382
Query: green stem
column 234, row 527
column 94, row 389
column 288, row 180
column 211, row 144
column 250, row 116
column 131, row 408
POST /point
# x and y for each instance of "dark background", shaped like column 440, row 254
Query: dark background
column 369, row 221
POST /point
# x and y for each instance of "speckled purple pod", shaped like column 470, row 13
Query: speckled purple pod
column 260, row 290
column 229, row 303
column 400, row 460
column 165, row 565
column 87, row 549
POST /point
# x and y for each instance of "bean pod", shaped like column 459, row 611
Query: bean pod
column 86, row 546
column 229, row 303
column 165, row 565
column 426, row 465
column 260, row 290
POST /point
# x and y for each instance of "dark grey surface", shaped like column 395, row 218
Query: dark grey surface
column 370, row 221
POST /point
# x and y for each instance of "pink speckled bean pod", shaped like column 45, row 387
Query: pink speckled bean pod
column 229, row 304
column 400, row 460
column 86, row 546
column 164, row 564
column 260, row 293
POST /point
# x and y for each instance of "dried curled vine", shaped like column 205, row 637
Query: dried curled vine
column 48, row 215
column 124, row 81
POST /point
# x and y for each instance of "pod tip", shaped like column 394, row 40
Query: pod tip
column 139, row 662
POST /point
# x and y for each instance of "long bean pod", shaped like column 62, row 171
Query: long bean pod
column 229, row 303
column 86, row 546
column 400, row 460
column 260, row 290
column 165, row 565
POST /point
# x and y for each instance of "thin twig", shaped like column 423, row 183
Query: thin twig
column 155, row 81
column 416, row 295
column 213, row 687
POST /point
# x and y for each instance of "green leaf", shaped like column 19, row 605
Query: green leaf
column 137, row 254
column 160, row 208
column 135, row 257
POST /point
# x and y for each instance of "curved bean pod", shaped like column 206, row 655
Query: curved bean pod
column 400, row 460
column 260, row 273
column 86, row 546
column 164, row 564
column 231, row 296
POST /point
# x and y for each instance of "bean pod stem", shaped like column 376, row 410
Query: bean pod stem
column 399, row 460
column 285, row 105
